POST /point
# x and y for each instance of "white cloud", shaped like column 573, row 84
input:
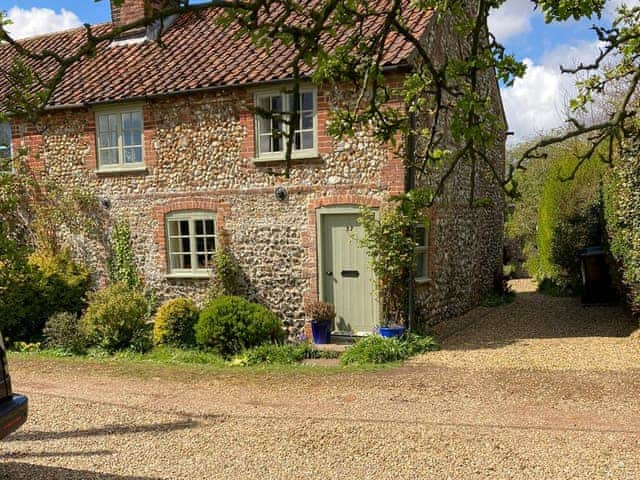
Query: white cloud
column 511, row 19
column 538, row 102
column 612, row 5
column 36, row 21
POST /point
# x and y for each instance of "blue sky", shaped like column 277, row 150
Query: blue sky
column 534, row 104
column 86, row 10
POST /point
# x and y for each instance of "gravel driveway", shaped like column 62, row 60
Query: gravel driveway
column 505, row 399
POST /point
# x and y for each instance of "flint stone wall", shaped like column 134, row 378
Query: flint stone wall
column 199, row 154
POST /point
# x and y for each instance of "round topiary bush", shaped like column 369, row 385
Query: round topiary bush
column 174, row 323
column 232, row 324
column 115, row 316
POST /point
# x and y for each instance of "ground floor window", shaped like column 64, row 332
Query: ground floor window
column 5, row 148
column 191, row 242
column 422, row 253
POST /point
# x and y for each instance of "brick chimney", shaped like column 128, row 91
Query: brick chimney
column 132, row 10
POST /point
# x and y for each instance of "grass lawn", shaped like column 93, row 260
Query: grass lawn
column 175, row 364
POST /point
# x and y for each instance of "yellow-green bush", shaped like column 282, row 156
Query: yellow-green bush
column 174, row 323
column 64, row 281
column 115, row 317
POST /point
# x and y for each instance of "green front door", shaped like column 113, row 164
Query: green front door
column 345, row 273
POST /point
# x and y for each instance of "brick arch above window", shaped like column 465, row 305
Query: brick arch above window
column 160, row 213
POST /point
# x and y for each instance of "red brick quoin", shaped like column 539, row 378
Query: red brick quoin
column 180, row 204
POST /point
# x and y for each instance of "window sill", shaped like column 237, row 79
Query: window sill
column 423, row 281
column 122, row 171
column 188, row 276
column 305, row 156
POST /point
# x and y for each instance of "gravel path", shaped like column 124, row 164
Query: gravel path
column 542, row 332
column 446, row 416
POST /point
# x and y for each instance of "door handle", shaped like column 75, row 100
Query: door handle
column 329, row 273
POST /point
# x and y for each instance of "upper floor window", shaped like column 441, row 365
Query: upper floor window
column 5, row 148
column 422, row 253
column 191, row 242
column 274, row 129
column 120, row 139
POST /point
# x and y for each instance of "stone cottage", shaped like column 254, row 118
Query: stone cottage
column 165, row 137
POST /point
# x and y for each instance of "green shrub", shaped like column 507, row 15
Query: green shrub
column 19, row 302
column 62, row 331
column 231, row 324
column 174, row 323
column 142, row 339
column 417, row 344
column 392, row 252
column 114, row 317
column 34, row 287
column 375, row 349
column 277, row 354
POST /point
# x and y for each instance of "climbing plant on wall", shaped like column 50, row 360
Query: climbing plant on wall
column 122, row 267
column 391, row 248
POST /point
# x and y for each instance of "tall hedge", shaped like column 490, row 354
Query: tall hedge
column 570, row 218
column 623, row 221
column 521, row 223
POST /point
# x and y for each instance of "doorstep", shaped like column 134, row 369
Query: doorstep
column 331, row 347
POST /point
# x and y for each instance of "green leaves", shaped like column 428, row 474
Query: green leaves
column 122, row 268
column 391, row 248
column 28, row 92
column 560, row 10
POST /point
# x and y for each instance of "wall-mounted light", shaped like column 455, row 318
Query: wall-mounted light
column 106, row 203
column 281, row 194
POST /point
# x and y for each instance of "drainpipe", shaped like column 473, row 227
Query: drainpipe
column 410, row 184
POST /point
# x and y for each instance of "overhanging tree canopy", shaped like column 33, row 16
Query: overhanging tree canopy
column 344, row 41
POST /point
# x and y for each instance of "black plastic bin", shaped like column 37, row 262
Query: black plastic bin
column 596, row 280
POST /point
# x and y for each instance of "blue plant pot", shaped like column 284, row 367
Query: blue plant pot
column 390, row 332
column 321, row 332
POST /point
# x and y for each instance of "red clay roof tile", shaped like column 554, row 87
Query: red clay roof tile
column 196, row 54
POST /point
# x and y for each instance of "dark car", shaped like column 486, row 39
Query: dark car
column 13, row 407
